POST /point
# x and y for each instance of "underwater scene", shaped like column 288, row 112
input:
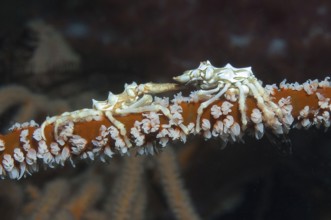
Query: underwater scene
column 187, row 109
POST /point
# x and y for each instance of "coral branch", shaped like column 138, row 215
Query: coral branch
column 126, row 189
column 145, row 123
column 55, row 190
column 174, row 189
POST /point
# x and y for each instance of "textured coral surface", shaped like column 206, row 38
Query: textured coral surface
column 117, row 42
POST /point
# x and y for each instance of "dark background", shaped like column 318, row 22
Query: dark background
column 119, row 42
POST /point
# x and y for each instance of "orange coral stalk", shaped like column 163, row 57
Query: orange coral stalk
column 92, row 133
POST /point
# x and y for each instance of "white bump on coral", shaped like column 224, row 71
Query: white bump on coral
column 227, row 122
column 194, row 96
column 304, row 112
column 270, row 89
column 206, row 128
column 217, row 128
column 174, row 133
column 216, row 111
column 31, row 156
column 179, row 98
column 65, row 154
column 163, row 137
column 42, row 148
column 2, row 145
column 78, row 144
column 162, row 101
column 139, row 138
column 283, row 84
column 37, row 134
column 18, row 155
column 322, row 101
column 325, row 82
column 226, row 107
column 235, row 131
column 108, row 152
column 15, row 126
column 8, row 162
column 303, row 116
column 259, row 130
column 231, row 95
column 286, row 108
column 310, row 86
column 256, row 116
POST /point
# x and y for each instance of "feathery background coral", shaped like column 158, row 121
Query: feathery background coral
column 113, row 43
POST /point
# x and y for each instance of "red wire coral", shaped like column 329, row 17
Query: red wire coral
column 228, row 103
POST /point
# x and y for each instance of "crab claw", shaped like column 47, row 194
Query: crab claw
column 184, row 78
column 154, row 88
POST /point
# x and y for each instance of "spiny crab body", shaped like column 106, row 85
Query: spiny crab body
column 206, row 76
column 133, row 94
column 229, row 81
column 134, row 99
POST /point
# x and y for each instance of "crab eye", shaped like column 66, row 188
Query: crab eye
column 209, row 73
column 131, row 93
column 195, row 73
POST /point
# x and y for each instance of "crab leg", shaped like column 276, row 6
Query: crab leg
column 267, row 113
column 207, row 103
column 153, row 108
column 242, row 104
column 120, row 126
